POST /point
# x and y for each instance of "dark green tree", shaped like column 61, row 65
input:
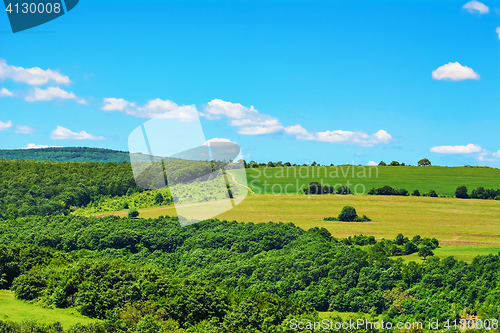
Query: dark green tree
column 461, row 192
column 425, row 252
column 382, row 163
column 158, row 198
column 148, row 325
column 348, row 214
column 133, row 213
column 415, row 193
column 424, row 162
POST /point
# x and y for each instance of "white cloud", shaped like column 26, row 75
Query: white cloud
column 467, row 149
column 152, row 109
column 4, row 126
column 52, row 93
column 497, row 154
column 223, row 140
column 33, row 76
column 34, row 146
column 340, row 136
column 21, row 129
column 453, row 71
column 372, row 163
column 116, row 104
column 498, row 32
column 61, row 133
column 476, row 6
column 248, row 120
column 4, row 92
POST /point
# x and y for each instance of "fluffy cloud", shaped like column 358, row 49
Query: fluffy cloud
column 251, row 122
column 498, row 32
column 476, row 7
column 468, row 149
column 154, row 108
column 21, row 129
column 34, row 146
column 497, row 154
column 61, row 133
column 33, row 76
column 248, row 120
column 223, row 140
column 4, row 92
column 52, row 93
column 453, row 71
column 372, row 163
column 340, row 136
column 4, row 126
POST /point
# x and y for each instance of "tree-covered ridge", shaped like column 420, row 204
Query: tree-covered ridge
column 67, row 154
column 45, row 187
column 278, row 259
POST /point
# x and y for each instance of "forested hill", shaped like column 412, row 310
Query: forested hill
column 69, row 154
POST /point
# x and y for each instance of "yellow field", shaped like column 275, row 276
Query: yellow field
column 452, row 221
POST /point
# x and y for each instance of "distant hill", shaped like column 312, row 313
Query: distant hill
column 70, row 154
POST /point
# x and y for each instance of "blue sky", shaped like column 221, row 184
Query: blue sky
column 299, row 81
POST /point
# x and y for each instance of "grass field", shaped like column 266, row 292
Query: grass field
column 443, row 180
column 469, row 227
column 18, row 311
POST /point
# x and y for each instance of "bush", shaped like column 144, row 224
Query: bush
column 158, row 198
column 348, row 214
column 461, row 192
column 433, row 194
column 133, row 213
column 395, row 163
column 424, row 162
column 330, row 219
column 382, row 163
column 415, row 193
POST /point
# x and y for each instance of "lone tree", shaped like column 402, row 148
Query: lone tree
column 424, row 162
column 158, row 198
column 133, row 213
column 348, row 214
column 461, row 192
column 425, row 252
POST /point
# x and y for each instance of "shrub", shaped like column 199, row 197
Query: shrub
column 133, row 213
column 395, row 163
column 330, row 219
column 433, row 194
column 382, row 163
column 415, row 193
column 348, row 214
column 461, row 192
column 158, row 198
column 424, row 162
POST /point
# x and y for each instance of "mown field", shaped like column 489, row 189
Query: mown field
column 443, row 180
column 17, row 311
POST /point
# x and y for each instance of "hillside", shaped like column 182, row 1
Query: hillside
column 71, row 154
column 443, row 180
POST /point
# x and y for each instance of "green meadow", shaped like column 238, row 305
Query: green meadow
column 17, row 311
column 443, row 180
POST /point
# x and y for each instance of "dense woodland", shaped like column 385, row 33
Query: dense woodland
column 229, row 276
column 151, row 275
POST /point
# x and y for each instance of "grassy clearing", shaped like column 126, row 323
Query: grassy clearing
column 460, row 252
column 17, row 311
column 443, row 180
column 452, row 221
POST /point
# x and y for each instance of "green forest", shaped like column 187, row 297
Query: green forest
column 152, row 275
